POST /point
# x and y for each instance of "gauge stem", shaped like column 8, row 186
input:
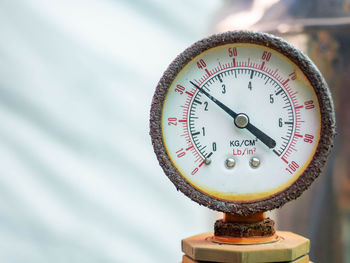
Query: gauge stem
column 233, row 218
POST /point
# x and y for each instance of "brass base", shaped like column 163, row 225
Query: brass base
column 289, row 247
column 303, row 259
column 245, row 240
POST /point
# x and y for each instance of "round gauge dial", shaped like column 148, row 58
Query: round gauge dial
column 242, row 122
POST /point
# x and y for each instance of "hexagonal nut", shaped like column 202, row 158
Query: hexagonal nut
column 289, row 248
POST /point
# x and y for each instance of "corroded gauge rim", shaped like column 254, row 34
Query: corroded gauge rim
column 327, row 122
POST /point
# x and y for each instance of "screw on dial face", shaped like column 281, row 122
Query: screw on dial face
column 242, row 122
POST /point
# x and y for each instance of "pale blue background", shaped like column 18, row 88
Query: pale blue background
column 79, row 181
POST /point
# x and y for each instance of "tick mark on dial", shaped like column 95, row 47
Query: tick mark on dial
column 220, row 79
column 202, row 148
column 278, row 154
column 189, row 148
column 196, row 133
column 278, row 92
column 285, row 82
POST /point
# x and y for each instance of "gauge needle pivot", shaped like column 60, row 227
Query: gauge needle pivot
column 264, row 138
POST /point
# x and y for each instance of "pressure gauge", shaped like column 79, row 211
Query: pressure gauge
column 242, row 122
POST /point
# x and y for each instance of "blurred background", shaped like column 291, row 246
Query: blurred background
column 79, row 181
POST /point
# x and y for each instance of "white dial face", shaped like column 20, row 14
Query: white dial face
column 241, row 122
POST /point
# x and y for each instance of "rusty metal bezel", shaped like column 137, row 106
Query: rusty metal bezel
column 327, row 122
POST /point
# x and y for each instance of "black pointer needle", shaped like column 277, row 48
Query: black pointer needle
column 267, row 140
column 217, row 102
